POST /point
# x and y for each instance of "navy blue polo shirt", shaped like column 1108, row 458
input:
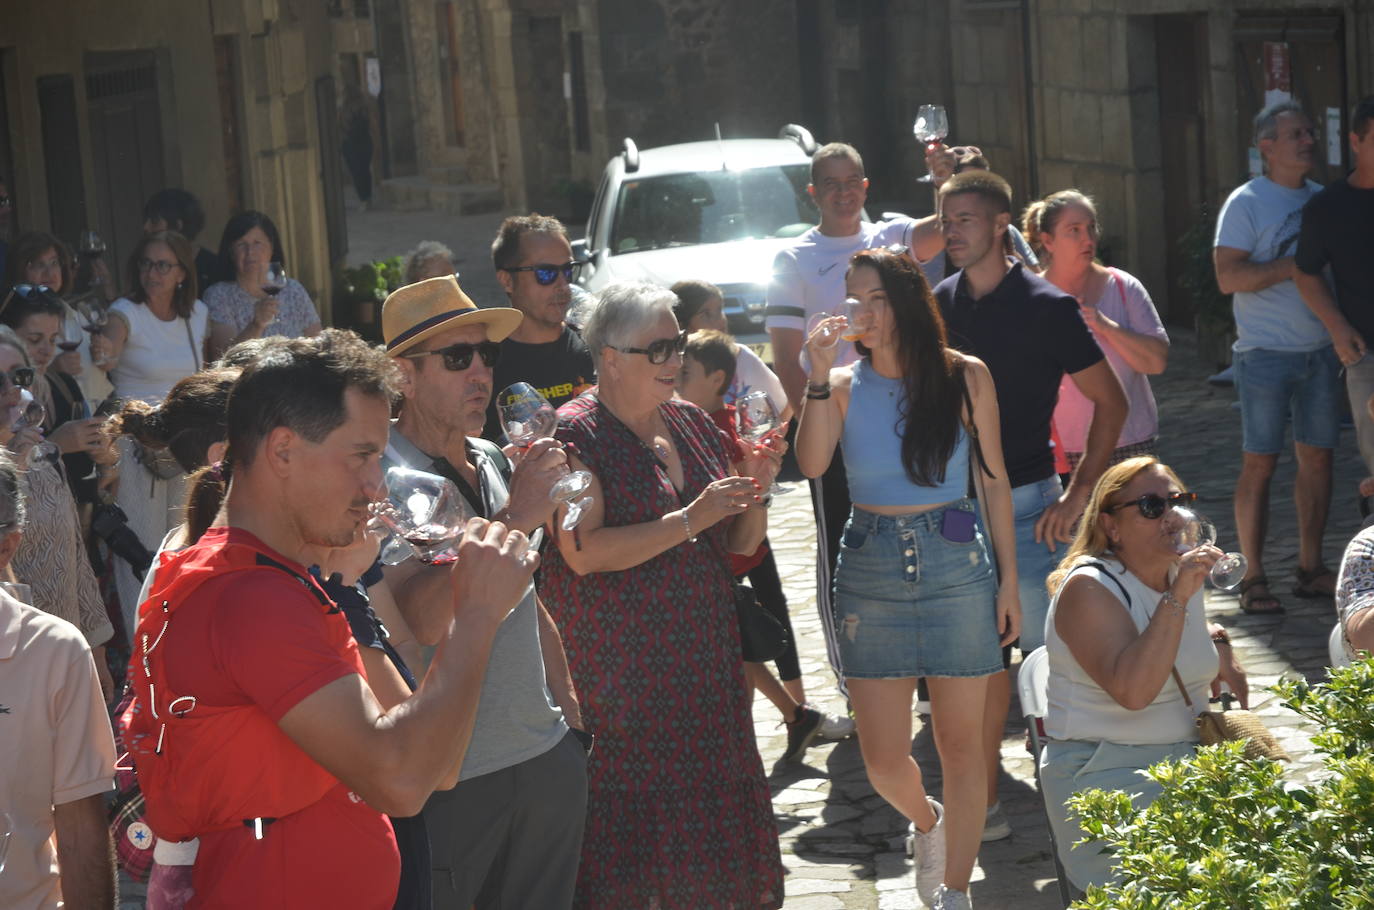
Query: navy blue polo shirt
column 1030, row 334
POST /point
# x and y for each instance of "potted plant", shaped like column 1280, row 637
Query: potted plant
column 361, row 291
column 1212, row 315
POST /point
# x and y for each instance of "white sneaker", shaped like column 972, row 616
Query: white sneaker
column 949, row 899
column 836, row 727
column 928, row 852
column 995, row 825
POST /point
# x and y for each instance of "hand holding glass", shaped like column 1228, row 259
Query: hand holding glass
column 528, row 416
column 931, row 126
column 31, row 416
column 1193, row 531
column 830, row 329
column 93, row 320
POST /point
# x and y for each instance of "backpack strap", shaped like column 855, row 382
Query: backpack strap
column 970, row 427
column 493, row 451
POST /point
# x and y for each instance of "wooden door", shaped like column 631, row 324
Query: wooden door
column 1181, row 56
column 62, row 157
column 1315, row 46
column 331, row 176
column 450, row 77
column 548, row 161
column 126, row 149
column 227, row 85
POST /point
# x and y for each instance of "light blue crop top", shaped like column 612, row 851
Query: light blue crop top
column 872, row 445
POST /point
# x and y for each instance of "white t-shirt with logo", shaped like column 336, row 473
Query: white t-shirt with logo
column 808, row 277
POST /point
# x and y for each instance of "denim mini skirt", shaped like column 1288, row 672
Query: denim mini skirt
column 911, row 602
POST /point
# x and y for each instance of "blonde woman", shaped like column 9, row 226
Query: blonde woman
column 1127, row 612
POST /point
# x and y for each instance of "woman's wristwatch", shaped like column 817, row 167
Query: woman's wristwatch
column 818, row 391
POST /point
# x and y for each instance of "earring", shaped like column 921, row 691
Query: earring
column 178, row 285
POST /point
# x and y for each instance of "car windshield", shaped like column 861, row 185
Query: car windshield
column 712, row 207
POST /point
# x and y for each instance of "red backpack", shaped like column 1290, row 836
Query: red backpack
column 206, row 768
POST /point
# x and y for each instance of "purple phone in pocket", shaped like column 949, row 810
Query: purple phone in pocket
column 957, row 526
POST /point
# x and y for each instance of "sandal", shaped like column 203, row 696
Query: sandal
column 1249, row 599
column 1319, row 583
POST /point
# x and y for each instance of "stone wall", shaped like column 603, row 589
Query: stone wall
column 670, row 69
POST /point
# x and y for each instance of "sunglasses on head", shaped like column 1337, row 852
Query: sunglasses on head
column 1152, row 505
column 547, row 273
column 30, row 292
column 658, row 351
column 458, row 357
column 21, row 377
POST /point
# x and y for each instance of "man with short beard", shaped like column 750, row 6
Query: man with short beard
column 510, row 833
column 252, row 725
column 534, row 264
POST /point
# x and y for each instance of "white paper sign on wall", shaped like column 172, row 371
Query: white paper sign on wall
column 1333, row 135
column 374, row 77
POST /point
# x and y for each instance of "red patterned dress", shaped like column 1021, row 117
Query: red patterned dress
column 678, row 814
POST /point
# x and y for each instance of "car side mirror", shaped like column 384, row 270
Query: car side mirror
column 581, row 254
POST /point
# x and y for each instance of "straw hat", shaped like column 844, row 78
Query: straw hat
column 418, row 311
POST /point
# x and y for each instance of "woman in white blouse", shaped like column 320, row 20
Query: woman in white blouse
column 1127, row 613
column 155, row 336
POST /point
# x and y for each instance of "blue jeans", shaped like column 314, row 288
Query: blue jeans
column 1276, row 385
column 1034, row 561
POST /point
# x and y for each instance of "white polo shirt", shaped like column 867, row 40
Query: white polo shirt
column 55, row 743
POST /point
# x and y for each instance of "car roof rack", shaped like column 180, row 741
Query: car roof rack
column 631, row 156
column 800, row 135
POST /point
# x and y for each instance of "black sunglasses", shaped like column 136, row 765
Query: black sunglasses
column 546, row 273
column 658, row 351
column 19, row 376
column 458, row 357
column 1152, row 505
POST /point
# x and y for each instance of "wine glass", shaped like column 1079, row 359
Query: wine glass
column 853, row 331
column 6, row 830
column 425, row 513
column 527, row 416
column 274, row 279
column 1192, row 530
column 932, row 125
column 32, row 414
column 91, row 246
column 831, row 334
column 93, row 320
column 757, row 419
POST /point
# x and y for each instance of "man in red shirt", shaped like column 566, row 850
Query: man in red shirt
column 263, row 665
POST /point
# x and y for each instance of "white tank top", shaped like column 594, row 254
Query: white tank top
column 1081, row 709
column 156, row 354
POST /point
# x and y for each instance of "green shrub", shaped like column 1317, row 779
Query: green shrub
column 1228, row 832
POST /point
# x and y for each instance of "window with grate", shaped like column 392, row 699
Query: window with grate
column 120, row 82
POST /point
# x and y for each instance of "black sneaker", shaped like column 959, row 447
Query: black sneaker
column 801, row 732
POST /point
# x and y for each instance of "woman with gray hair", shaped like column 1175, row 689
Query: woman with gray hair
column 678, row 812
column 429, row 259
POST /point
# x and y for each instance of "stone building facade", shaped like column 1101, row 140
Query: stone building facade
column 235, row 100
column 1145, row 104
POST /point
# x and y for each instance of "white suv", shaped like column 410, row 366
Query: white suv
column 717, row 211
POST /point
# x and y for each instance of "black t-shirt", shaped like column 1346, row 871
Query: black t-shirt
column 561, row 370
column 1030, row 334
column 1337, row 225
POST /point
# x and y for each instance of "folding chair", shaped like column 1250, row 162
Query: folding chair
column 1032, row 682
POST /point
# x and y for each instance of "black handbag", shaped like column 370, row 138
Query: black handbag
column 761, row 636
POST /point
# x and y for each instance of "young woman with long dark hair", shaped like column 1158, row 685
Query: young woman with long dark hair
column 916, row 594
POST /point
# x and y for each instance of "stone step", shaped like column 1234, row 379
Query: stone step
column 452, row 175
column 423, row 194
